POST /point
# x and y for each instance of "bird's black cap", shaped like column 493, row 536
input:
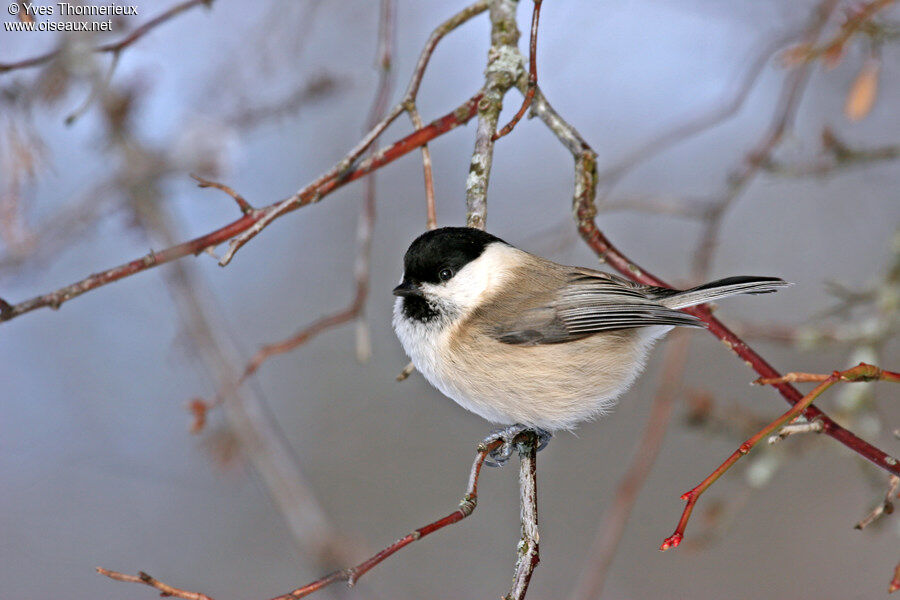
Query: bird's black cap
column 444, row 248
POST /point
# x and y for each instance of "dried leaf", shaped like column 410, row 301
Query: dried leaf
column 862, row 94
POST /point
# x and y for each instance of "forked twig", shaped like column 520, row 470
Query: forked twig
column 164, row 588
column 859, row 373
column 886, row 506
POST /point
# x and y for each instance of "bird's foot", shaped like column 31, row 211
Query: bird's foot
column 499, row 455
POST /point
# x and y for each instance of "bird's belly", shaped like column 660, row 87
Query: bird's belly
column 552, row 386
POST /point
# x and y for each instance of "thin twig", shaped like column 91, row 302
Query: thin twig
column 752, row 163
column 862, row 372
column 351, row 575
column 796, row 428
column 164, row 588
column 532, row 75
column 406, row 372
column 832, row 50
column 245, row 206
column 430, row 206
column 895, row 581
column 886, row 506
column 24, row 15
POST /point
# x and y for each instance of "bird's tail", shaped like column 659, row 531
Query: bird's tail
column 730, row 286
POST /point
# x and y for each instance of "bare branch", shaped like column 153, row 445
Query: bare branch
column 164, row 588
column 886, row 506
column 751, row 164
column 503, row 70
column 430, row 207
column 351, row 575
column 197, row 245
column 860, row 373
column 245, row 206
column 529, row 555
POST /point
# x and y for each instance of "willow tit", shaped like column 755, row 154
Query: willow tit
column 527, row 342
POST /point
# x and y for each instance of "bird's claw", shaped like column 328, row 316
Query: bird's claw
column 499, row 455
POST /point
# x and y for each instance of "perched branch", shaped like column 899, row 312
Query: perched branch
column 114, row 47
column 860, row 373
column 529, row 555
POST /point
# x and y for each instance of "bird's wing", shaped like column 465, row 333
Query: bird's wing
column 586, row 302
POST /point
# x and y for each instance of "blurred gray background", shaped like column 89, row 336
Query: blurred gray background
column 97, row 464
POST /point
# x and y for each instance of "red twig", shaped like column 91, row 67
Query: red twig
column 114, row 47
column 352, row 575
column 311, row 193
column 895, row 582
column 862, row 372
column 164, row 588
column 532, row 75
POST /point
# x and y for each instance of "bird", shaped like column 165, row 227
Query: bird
column 527, row 343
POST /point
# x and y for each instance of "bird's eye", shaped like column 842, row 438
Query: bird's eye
column 445, row 274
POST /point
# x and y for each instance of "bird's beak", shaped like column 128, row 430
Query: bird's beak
column 408, row 289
